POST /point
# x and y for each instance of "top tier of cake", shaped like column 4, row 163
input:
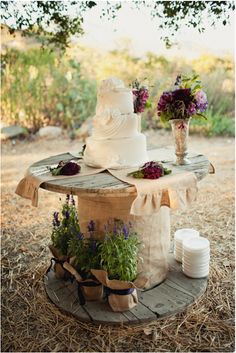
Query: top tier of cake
column 112, row 94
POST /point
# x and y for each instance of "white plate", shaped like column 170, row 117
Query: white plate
column 197, row 266
column 199, row 275
column 196, row 244
column 197, row 260
column 195, row 269
column 185, row 233
column 196, row 254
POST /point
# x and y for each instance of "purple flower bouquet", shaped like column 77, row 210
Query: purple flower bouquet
column 186, row 101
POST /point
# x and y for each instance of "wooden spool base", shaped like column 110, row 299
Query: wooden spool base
column 172, row 296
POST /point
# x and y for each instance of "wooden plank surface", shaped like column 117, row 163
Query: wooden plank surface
column 104, row 182
column 172, row 296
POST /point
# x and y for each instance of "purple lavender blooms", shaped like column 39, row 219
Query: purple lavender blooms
column 93, row 246
column 67, row 214
column 80, row 236
column 91, row 226
column 125, row 231
column 188, row 100
column 55, row 221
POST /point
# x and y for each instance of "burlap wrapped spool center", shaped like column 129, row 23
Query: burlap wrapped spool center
column 153, row 230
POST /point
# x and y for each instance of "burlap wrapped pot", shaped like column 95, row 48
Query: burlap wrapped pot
column 122, row 295
column 58, row 260
column 88, row 289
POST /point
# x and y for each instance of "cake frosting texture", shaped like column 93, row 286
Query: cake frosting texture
column 115, row 140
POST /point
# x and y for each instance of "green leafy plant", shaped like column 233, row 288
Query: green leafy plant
column 86, row 251
column 119, row 251
column 65, row 226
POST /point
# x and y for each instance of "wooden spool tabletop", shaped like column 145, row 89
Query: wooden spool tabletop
column 172, row 296
column 104, row 182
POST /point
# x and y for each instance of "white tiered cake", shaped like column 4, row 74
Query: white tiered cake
column 115, row 142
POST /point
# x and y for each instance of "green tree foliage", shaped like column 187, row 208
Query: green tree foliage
column 58, row 20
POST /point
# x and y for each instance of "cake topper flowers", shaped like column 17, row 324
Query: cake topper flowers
column 185, row 101
column 140, row 95
column 150, row 170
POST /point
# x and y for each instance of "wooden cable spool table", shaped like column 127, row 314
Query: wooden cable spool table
column 173, row 295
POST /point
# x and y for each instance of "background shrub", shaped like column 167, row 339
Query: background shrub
column 41, row 88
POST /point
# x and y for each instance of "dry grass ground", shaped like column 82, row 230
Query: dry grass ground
column 30, row 323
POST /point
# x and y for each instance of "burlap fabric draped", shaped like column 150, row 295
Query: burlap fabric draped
column 148, row 209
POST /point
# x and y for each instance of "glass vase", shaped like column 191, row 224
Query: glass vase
column 180, row 131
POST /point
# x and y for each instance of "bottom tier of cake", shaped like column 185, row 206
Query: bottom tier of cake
column 116, row 153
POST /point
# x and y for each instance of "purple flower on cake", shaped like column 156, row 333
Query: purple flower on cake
column 140, row 97
column 150, row 170
column 188, row 100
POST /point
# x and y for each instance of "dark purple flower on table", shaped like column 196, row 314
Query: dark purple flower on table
column 125, row 231
column 152, row 170
column 201, row 100
column 141, row 96
column 91, row 226
column 80, row 236
column 70, row 168
column 164, row 102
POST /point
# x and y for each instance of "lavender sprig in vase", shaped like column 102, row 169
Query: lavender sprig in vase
column 178, row 106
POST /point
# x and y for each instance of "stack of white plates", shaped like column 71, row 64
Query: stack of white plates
column 196, row 257
column 179, row 237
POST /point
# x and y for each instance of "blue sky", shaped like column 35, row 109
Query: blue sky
column 143, row 34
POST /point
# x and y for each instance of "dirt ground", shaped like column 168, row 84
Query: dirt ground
column 31, row 323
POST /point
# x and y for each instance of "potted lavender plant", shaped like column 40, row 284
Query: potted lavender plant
column 86, row 255
column 119, row 262
column 65, row 226
column 178, row 106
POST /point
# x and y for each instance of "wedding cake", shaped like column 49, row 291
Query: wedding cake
column 115, row 142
